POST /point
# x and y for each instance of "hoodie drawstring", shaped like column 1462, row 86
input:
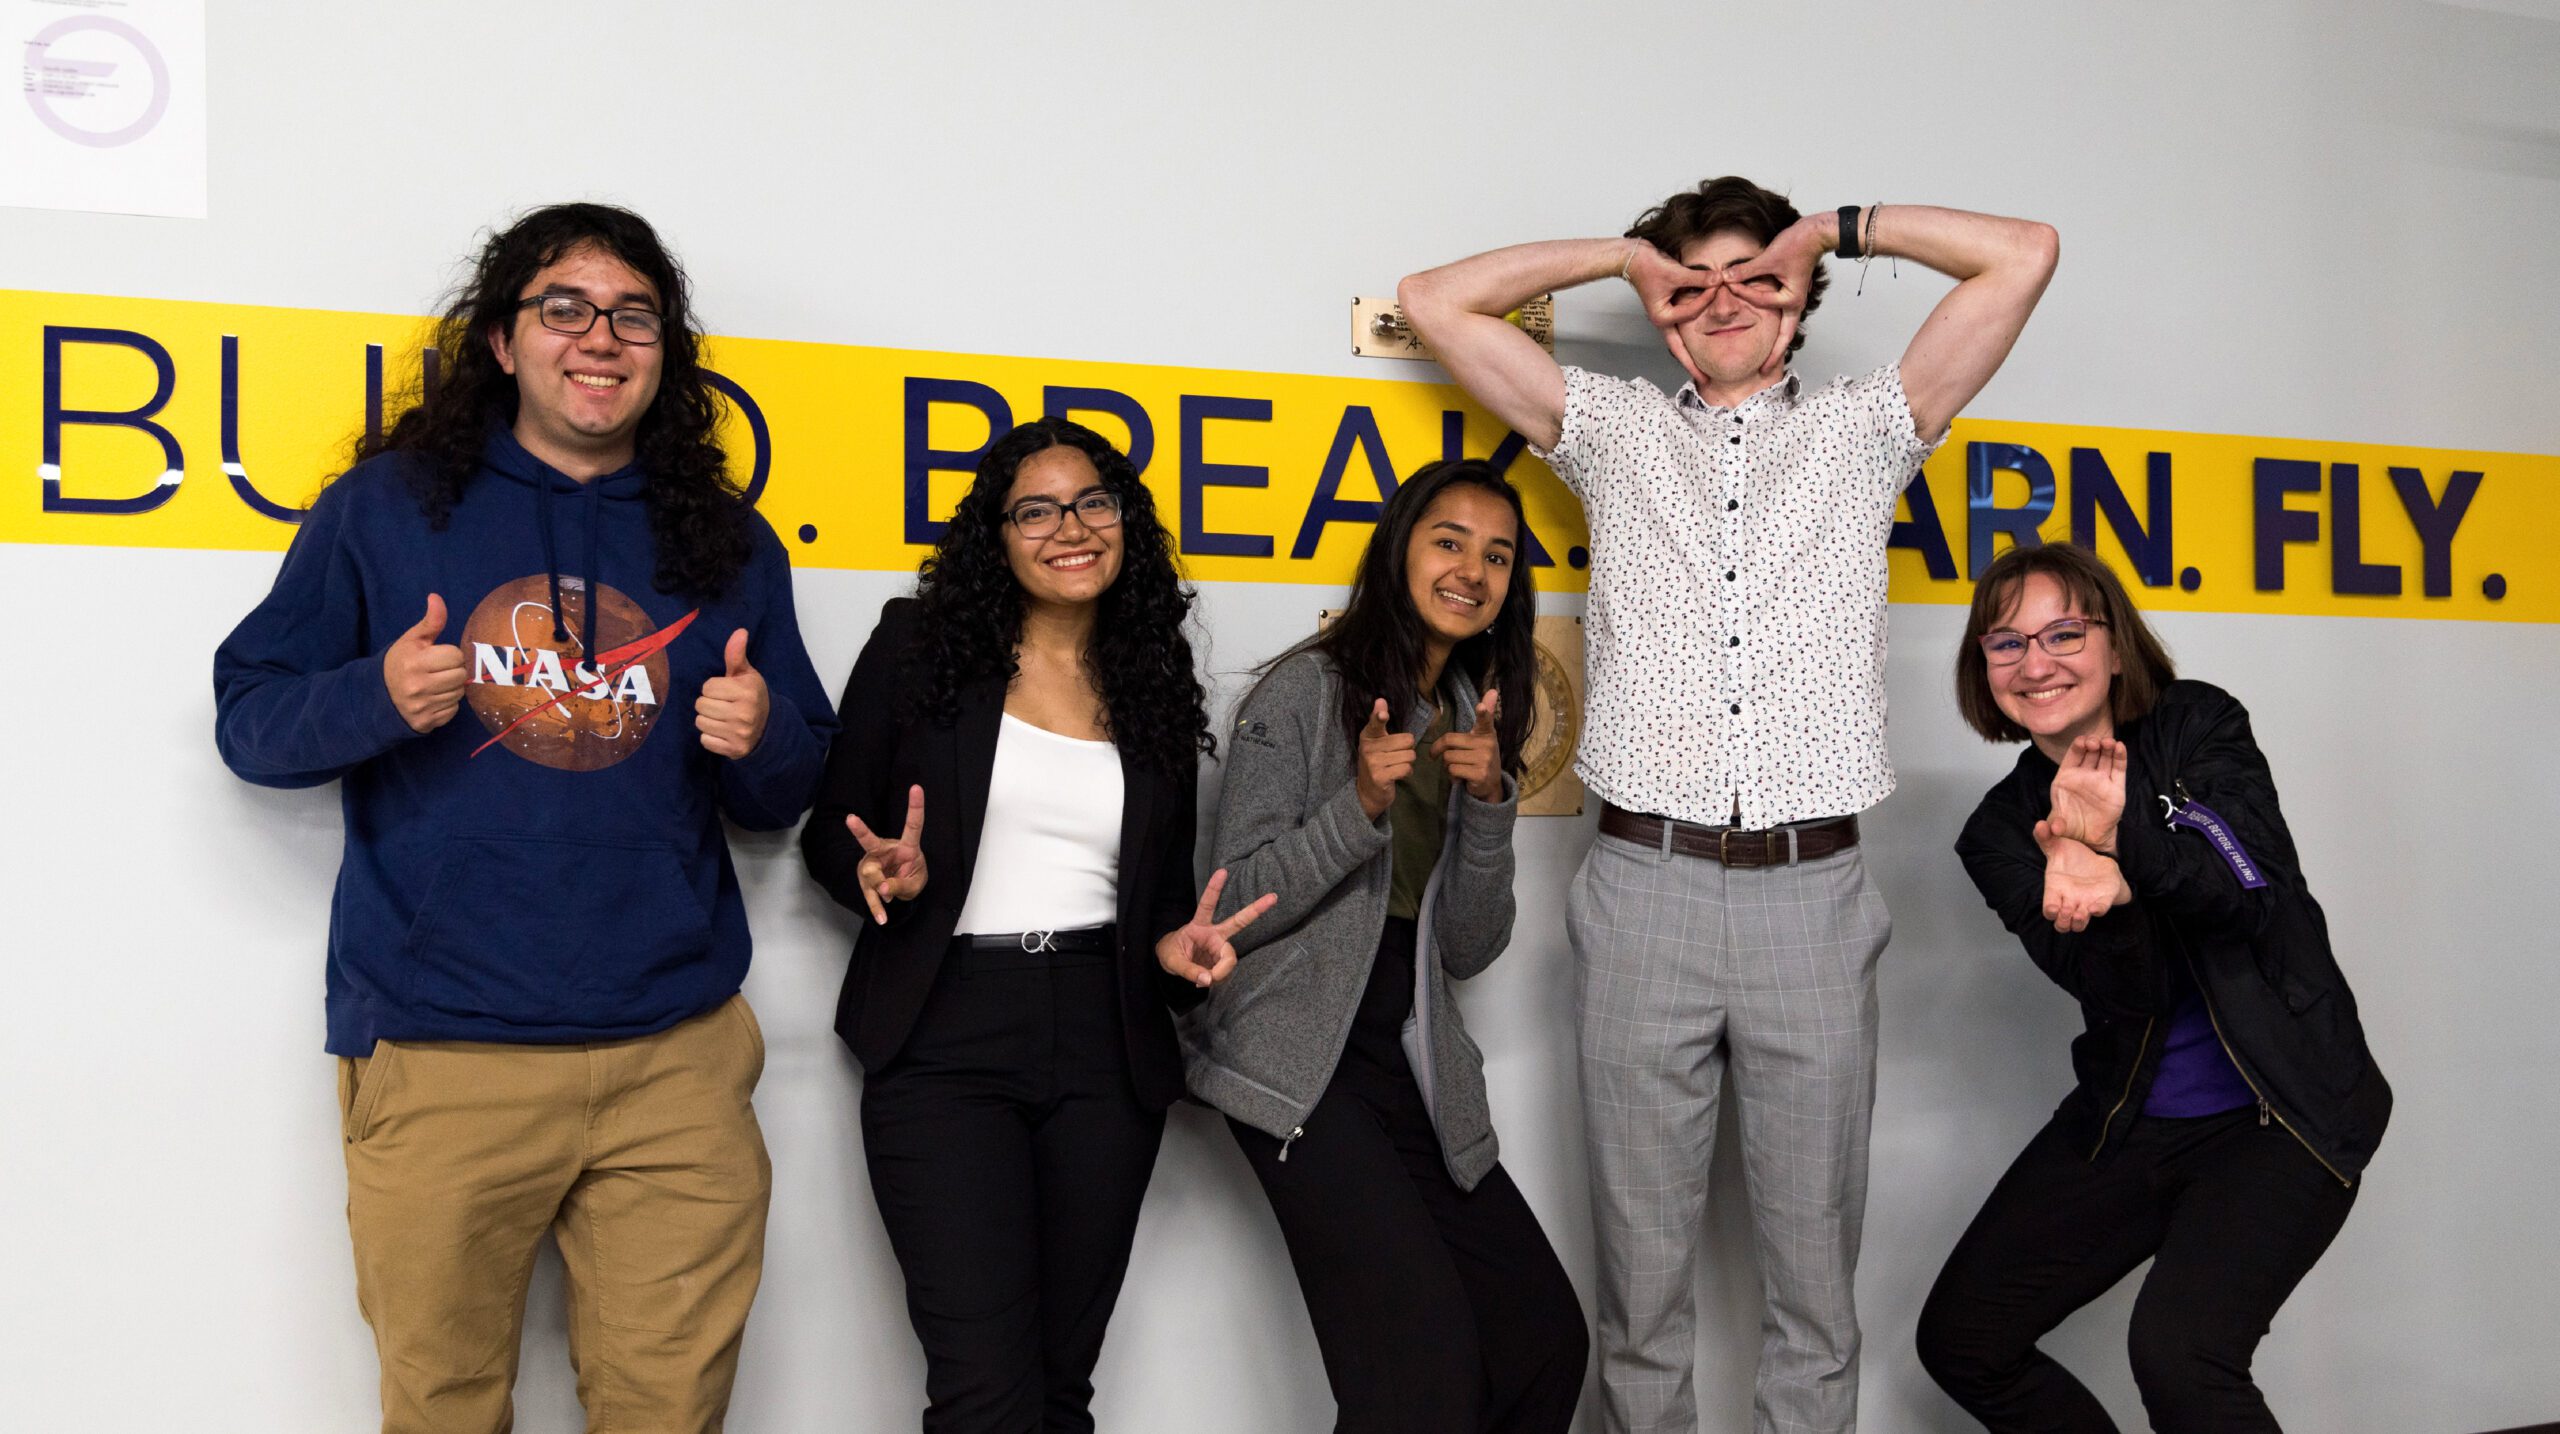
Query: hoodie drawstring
column 595, row 531
column 587, row 570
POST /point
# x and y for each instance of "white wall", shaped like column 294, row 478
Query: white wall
column 2324, row 220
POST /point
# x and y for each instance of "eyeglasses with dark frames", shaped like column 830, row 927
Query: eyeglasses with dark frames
column 571, row 315
column 2007, row 647
column 1095, row 508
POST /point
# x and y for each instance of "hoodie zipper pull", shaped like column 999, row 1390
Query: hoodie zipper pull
column 1297, row 1130
column 2262, row 1112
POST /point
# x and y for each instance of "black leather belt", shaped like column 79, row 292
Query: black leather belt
column 1731, row 846
column 1083, row 941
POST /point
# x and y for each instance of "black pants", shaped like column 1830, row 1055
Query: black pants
column 2231, row 1213
column 1009, row 1155
column 1438, row 1310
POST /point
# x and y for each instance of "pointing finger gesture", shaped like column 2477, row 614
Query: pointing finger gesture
column 1382, row 761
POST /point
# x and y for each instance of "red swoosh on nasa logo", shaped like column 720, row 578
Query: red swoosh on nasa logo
column 619, row 658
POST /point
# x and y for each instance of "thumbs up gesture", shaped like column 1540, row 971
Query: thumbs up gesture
column 1384, row 759
column 1475, row 757
column 424, row 676
column 730, row 710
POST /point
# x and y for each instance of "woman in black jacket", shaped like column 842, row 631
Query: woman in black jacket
column 1009, row 1001
column 2226, row 1103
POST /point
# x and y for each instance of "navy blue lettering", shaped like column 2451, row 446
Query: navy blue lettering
column 1359, row 429
column 1923, row 532
column 2277, row 525
column 232, row 466
column 57, row 418
column 923, row 460
column 2435, row 521
column 757, row 430
column 2094, row 490
column 1199, row 475
column 1984, row 519
column 1060, row 401
column 2348, row 571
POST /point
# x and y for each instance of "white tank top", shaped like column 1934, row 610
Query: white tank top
column 1049, row 850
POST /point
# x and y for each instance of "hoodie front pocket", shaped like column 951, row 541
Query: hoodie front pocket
column 534, row 931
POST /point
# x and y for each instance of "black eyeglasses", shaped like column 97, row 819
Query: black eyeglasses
column 2006, row 647
column 1039, row 517
column 571, row 315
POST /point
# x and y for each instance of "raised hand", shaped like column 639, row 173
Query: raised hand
column 1780, row 277
column 425, row 677
column 1202, row 951
column 731, row 708
column 2088, row 792
column 891, row 870
column 1383, row 760
column 2079, row 885
column 1673, row 293
column 1475, row 757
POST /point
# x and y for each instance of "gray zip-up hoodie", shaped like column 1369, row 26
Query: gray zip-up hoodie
column 1264, row 1045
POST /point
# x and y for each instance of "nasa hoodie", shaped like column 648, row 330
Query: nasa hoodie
column 549, row 865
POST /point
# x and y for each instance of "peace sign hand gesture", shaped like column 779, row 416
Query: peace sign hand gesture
column 891, row 870
column 1201, row 952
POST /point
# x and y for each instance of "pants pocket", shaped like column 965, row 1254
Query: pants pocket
column 360, row 1083
column 754, row 1030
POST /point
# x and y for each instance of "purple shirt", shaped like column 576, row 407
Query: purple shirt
column 2196, row 1074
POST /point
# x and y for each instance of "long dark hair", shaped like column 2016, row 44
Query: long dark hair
column 1377, row 643
column 696, row 512
column 1140, row 657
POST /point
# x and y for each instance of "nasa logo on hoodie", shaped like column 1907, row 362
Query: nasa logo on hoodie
column 546, row 699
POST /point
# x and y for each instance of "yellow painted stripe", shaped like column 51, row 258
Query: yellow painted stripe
column 1251, row 462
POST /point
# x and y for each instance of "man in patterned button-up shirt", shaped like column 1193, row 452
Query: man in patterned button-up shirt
column 1737, row 639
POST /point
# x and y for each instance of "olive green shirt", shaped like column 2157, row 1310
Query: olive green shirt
column 1418, row 819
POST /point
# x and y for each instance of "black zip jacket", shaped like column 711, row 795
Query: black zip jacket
column 2260, row 957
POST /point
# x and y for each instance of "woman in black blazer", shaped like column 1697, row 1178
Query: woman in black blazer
column 1008, row 1000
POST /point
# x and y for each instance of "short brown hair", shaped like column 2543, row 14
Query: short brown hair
column 1716, row 205
column 2095, row 590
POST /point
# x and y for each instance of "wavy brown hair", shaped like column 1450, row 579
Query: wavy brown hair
column 696, row 512
column 2094, row 589
column 1716, row 205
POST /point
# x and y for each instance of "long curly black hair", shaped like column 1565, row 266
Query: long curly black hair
column 1140, row 656
column 696, row 512
column 1377, row 643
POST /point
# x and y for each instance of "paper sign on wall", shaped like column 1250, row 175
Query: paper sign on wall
column 109, row 113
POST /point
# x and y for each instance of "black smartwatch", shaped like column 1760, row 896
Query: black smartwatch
column 1848, row 248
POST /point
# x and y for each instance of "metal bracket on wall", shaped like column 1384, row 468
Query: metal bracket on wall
column 1379, row 330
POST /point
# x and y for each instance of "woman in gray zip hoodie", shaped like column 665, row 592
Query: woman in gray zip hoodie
column 1370, row 786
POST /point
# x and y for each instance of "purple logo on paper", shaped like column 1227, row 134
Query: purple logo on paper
column 2196, row 816
column 52, row 78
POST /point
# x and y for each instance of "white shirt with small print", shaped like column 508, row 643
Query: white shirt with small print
column 1736, row 628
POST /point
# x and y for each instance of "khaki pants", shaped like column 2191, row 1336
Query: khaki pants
column 641, row 1156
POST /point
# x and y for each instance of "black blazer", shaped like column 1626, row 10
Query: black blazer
column 877, row 757
column 2261, row 957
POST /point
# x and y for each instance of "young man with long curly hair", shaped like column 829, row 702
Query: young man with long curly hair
column 537, row 941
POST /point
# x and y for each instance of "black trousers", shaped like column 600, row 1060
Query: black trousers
column 1009, row 1156
column 1437, row 1310
column 2231, row 1214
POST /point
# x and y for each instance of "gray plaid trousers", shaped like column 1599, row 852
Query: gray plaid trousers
column 1690, row 969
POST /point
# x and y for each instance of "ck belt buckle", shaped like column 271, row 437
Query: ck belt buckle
column 1036, row 942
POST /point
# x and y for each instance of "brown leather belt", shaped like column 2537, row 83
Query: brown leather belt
column 1778, row 846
